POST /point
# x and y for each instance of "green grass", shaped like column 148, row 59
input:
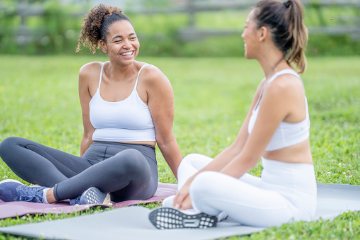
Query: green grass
column 39, row 101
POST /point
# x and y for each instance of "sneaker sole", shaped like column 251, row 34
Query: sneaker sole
column 94, row 196
column 10, row 180
column 16, row 181
column 171, row 218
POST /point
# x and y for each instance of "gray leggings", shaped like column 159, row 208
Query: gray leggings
column 127, row 171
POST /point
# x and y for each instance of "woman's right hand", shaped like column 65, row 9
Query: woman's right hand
column 182, row 198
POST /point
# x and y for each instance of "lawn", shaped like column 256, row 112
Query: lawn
column 39, row 101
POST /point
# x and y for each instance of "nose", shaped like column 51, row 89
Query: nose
column 127, row 44
column 242, row 35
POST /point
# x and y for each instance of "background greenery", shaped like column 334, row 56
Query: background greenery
column 57, row 32
column 212, row 95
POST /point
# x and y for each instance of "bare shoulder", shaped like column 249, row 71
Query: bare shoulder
column 285, row 85
column 152, row 76
column 89, row 71
column 152, row 72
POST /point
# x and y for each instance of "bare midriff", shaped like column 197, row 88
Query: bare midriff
column 151, row 143
column 298, row 153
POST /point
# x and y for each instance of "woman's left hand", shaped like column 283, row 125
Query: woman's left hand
column 182, row 199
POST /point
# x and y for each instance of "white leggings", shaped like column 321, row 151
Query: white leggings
column 285, row 191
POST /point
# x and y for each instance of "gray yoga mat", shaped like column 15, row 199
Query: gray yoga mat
column 132, row 222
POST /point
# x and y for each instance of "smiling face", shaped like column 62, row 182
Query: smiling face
column 121, row 44
column 251, row 36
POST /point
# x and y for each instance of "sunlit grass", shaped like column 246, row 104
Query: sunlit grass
column 39, row 101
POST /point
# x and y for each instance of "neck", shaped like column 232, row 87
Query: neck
column 118, row 72
column 272, row 61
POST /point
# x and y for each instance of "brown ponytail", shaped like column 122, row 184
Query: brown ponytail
column 298, row 33
column 96, row 24
column 285, row 22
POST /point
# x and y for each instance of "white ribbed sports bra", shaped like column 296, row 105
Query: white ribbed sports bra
column 286, row 134
column 128, row 120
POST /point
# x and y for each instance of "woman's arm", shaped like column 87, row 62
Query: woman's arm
column 161, row 105
column 182, row 198
column 281, row 99
column 85, row 97
column 223, row 158
column 276, row 104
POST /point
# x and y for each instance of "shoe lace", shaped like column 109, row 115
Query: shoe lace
column 29, row 194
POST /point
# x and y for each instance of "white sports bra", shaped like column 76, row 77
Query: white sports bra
column 128, row 120
column 286, row 134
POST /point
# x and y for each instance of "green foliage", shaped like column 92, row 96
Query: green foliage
column 53, row 32
column 8, row 21
column 212, row 97
column 54, row 20
column 322, row 45
column 158, row 34
column 56, row 31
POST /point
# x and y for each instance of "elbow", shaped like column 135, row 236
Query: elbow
column 164, row 140
column 87, row 136
column 252, row 162
column 249, row 162
column 161, row 143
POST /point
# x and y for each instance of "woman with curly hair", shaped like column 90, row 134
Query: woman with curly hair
column 276, row 129
column 127, row 107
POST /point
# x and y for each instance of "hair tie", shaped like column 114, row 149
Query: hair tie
column 287, row 4
column 106, row 15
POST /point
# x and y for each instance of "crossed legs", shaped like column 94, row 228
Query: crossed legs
column 244, row 200
column 127, row 174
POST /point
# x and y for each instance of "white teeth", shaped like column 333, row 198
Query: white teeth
column 126, row 54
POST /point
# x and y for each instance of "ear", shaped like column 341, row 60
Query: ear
column 263, row 33
column 103, row 46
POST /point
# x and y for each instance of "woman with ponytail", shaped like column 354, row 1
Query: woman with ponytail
column 127, row 107
column 275, row 129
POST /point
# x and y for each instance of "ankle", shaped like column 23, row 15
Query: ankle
column 49, row 196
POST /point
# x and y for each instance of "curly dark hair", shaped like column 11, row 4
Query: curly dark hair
column 96, row 24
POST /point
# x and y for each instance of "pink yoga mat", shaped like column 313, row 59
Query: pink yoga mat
column 13, row 209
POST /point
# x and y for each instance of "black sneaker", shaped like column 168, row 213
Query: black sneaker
column 171, row 218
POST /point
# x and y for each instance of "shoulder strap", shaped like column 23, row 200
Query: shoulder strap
column 282, row 72
column 279, row 73
column 307, row 110
column 292, row 72
column 137, row 79
column 260, row 95
column 101, row 71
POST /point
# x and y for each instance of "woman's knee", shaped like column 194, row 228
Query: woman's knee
column 192, row 156
column 131, row 159
column 7, row 146
column 188, row 160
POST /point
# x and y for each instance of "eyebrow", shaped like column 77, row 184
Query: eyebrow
column 120, row 36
